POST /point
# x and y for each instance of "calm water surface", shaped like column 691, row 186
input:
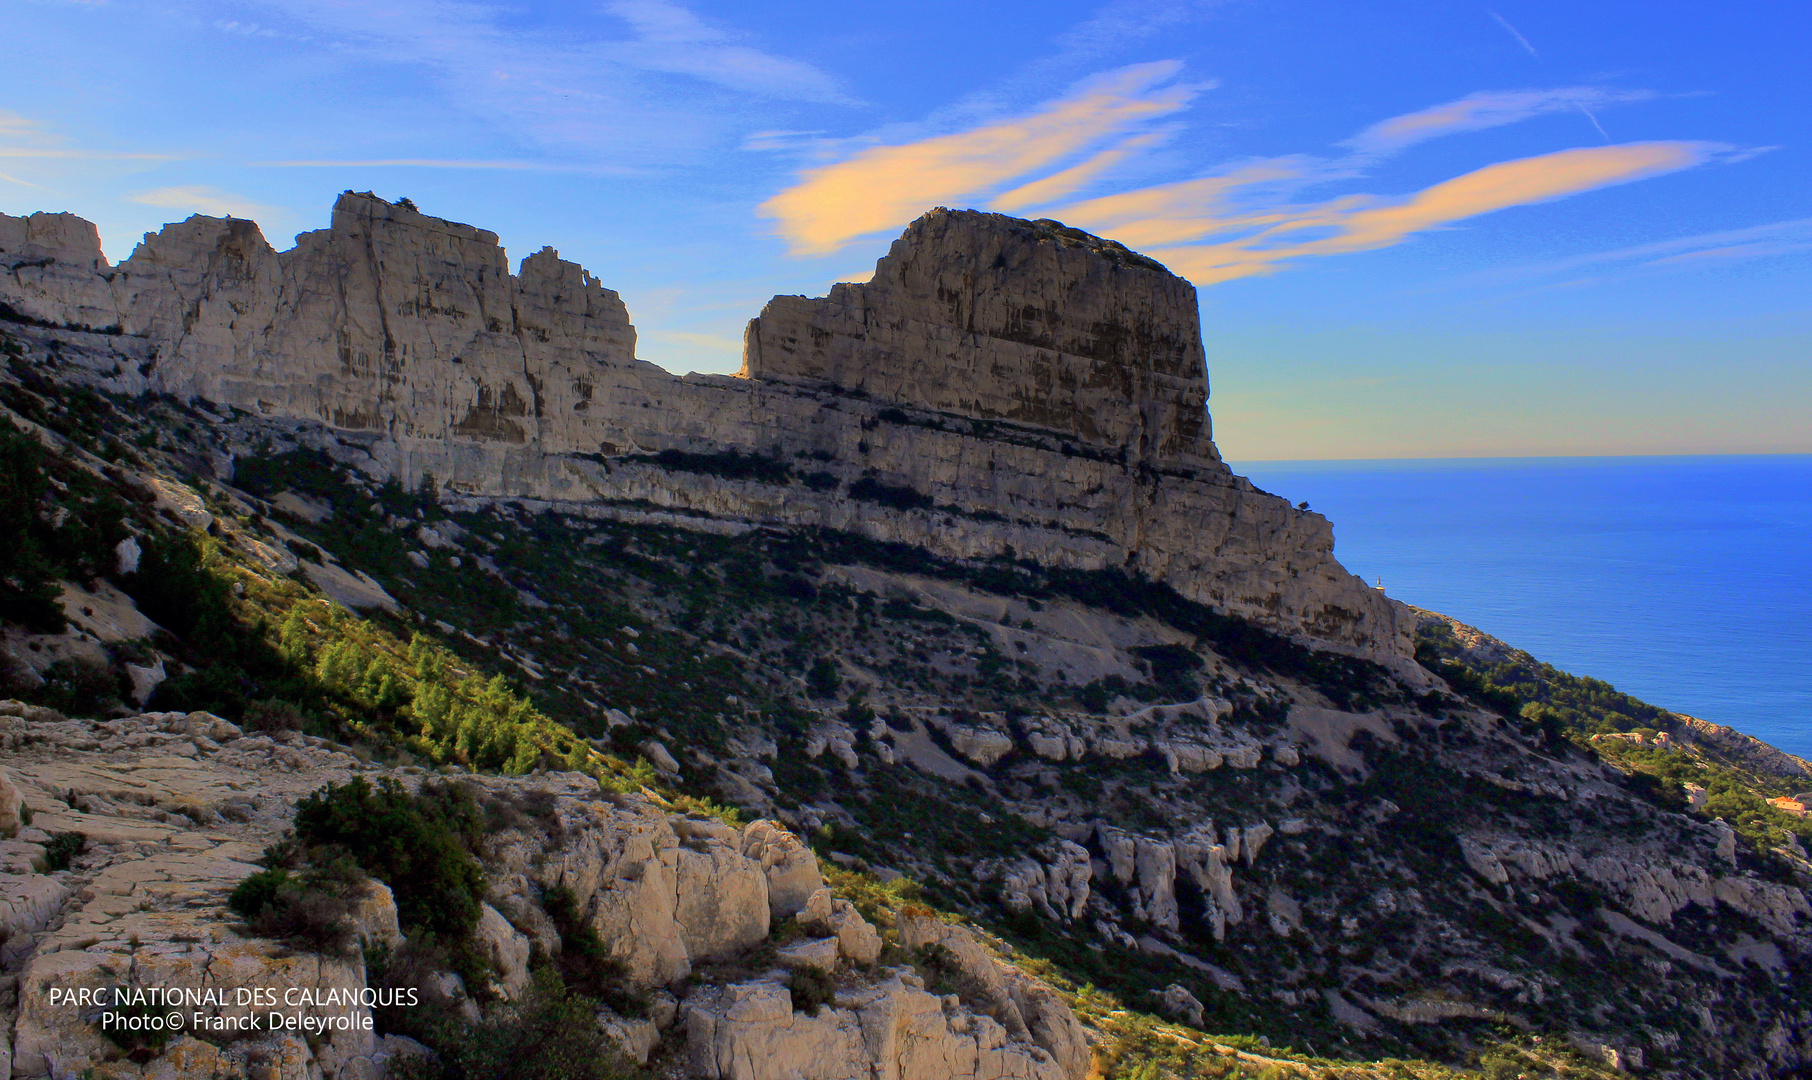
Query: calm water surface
column 1686, row 581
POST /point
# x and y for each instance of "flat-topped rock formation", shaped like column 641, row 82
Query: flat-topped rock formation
column 1002, row 387
column 993, row 317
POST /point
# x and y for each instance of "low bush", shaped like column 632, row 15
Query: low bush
column 274, row 715
column 550, row 1034
column 309, row 911
column 61, row 849
column 419, row 844
column 81, row 687
column 811, row 987
column 584, row 963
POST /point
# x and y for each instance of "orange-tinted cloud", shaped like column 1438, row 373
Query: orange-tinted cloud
column 1067, row 182
column 1364, row 223
column 883, row 187
column 1237, row 223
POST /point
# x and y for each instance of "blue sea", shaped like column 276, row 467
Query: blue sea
column 1685, row 581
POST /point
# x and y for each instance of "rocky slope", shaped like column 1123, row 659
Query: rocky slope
column 175, row 810
column 1001, row 386
column 1137, row 793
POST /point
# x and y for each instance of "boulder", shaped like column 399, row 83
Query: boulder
column 857, row 941
column 637, row 1037
column 506, row 947
column 11, row 807
column 820, row 953
column 791, row 867
column 657, row 755
column 721, row 899
column 1179, row 1002
column 373, row 914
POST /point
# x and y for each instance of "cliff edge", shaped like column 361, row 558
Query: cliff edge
column 1001, row 388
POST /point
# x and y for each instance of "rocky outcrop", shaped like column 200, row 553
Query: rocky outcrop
column 1651, row 886
column 750, row 1031
column 1025, row 1007
column 1055, row 883
column 992, row 317
column 790, row 866
column 1000, row 386
column 175, row 809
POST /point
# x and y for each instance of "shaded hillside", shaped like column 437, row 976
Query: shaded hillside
column 1142, row 796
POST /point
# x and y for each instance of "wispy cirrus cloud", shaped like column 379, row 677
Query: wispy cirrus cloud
column 22, row 137
column 1245, row 219
column 1517, row 34
column 1476, row 112
column 884, row 185
column 203, row 199
column 669, row 38
column 1725, row 247
column 650, row 80
column 427, row 163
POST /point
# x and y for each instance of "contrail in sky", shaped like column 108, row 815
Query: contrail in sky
column 1595, row 123
column 1520, row 39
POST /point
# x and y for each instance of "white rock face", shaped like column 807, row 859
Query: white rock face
column 10, row 801
column 1208, row 864
column 1149, row 867
column 857, row 940
column 1027, row 1009
column 146, row 897
column 374, row 917
column 1056, row 883
column 1014, row 376
column 791, row 867
column 506, row 947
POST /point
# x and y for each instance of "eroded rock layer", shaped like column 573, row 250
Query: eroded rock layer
column 1000, row 387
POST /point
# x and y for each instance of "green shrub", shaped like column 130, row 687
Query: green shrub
column 274, row 715
column 310, row 911
column 584, row 963
column 81, row 687
column 251, row 896
column 28, row 590
column 822, row 678
column 811, row 987
column 62, row 848
column 418, row 844
column 550, row 1034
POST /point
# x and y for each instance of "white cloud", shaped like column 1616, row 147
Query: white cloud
column 203, row 199
column 1489, row 109
column 1725, row 247
column 665, row 86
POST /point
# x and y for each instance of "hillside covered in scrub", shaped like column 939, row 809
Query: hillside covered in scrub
column 1118, row 808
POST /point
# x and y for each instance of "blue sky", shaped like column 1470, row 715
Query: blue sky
column 1419, row 229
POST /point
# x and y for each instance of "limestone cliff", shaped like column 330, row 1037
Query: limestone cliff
column 989, row 316
column 1000, row 387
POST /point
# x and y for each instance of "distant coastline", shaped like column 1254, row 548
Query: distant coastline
column 1679, row 579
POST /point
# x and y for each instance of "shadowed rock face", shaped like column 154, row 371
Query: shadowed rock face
column 1002, row 387
column 997, row 318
